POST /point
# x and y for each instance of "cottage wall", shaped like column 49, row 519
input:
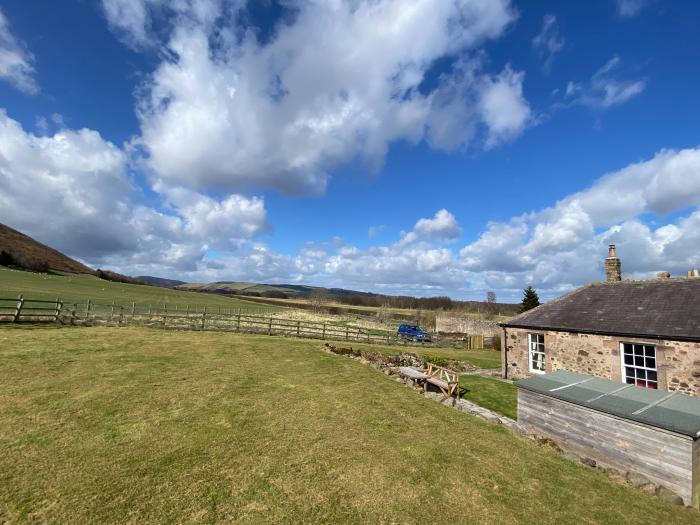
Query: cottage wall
column 678, row 362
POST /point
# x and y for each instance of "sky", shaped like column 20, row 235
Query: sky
column 395, row 146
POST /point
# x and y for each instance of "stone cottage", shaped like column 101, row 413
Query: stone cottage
column 645, row 333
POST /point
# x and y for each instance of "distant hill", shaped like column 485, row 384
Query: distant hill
column 22, row 251
column 295, row 291
column 159, row 281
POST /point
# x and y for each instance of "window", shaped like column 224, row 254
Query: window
column 536, row 344
column 639, row 365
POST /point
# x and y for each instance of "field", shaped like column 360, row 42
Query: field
column 80, row 287
column 135, row 425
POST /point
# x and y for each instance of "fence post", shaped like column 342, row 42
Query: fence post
column 188, row 310
column 72, row 313
column 121, row 315
column 149, row 309
column 298, row 328
column 18, row 310
column 59, row 305
column 165, row 311
column 133, row 310
column 238, row 327
column 111, row 312
column 324, row 331
column 204, row 315
column 269, row 327
column 87, row 310
column 347, row 332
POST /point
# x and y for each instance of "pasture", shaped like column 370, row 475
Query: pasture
column 81, row 287
column 136, row 425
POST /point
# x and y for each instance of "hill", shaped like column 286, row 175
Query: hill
column 269, row 290
column 22, row 251
column 159, row 281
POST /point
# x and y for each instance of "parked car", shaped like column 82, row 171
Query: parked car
column 413, row 332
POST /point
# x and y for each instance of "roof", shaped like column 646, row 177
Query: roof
column 668, row 308
column 670, row 411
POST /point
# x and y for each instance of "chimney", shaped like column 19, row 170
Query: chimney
column 613, row 267
column 663, row 275
column 693, row 273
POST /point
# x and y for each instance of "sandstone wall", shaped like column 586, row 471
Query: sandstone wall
column 456, row 324
column 678, row 363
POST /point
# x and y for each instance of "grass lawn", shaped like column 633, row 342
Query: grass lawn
column 80, row 288
column 490, row 393
column 137, row 425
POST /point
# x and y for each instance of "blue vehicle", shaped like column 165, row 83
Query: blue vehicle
column 413, row 332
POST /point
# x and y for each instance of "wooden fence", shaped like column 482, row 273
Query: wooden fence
column 23, row 309
column 188, row 317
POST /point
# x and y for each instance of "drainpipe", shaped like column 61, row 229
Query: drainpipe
column 505, row 353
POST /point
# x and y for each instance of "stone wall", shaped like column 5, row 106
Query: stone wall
column 678, row 363
column 462, row 324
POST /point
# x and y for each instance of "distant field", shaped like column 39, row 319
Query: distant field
column 81, row 287
column 110, row 425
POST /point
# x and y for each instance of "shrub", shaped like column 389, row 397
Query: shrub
column 437, row 361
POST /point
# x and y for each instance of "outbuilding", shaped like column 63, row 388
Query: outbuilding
column 622, row 426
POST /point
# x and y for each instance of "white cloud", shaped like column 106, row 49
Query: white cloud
column 503, row 107
column 225, row 111
column 16, row 62
column 605, row 88
column 548, row 42
column 442, row 227
column 629, row 8
column 563, row 246
column 88, row 204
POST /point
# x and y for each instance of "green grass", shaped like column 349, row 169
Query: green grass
column 490, row 393
column 478, row 358
column 104, row 425
column 80, row 288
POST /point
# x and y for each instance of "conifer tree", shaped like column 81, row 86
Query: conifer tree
column 530, row 299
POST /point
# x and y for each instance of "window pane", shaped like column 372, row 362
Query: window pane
column 630, row 380
column 651, row 375
column 650, row 362
column 629, row 359
column 638, row 360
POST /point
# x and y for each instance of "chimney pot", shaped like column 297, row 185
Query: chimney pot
column 613, row 266
column 663, row 275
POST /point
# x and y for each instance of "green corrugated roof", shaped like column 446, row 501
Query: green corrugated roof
column 666, row 410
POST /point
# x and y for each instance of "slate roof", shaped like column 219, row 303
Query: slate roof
column 668, row 308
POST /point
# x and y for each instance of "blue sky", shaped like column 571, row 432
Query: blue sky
column 403, row 147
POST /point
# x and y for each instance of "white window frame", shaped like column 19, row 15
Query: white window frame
column 536, row 347
column 643, row 367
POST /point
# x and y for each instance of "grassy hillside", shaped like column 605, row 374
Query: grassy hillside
column 74, row 287
column 31, row 252
column 252, row 429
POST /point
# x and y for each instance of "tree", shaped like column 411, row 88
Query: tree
column 491, row 304
column 530, row 299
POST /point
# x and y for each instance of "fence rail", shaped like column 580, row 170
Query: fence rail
column 21, row 309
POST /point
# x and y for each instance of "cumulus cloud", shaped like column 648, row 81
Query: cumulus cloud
column 16, row 62
column 563, row 246
column 227, row 111
column 89, row 204
column 605, row 89
column 548, row 42
column 442, row 227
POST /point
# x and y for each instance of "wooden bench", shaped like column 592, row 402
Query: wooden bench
column 446, row 380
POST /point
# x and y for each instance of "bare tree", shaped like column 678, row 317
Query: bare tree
column 319, row 298
column 491, row 307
